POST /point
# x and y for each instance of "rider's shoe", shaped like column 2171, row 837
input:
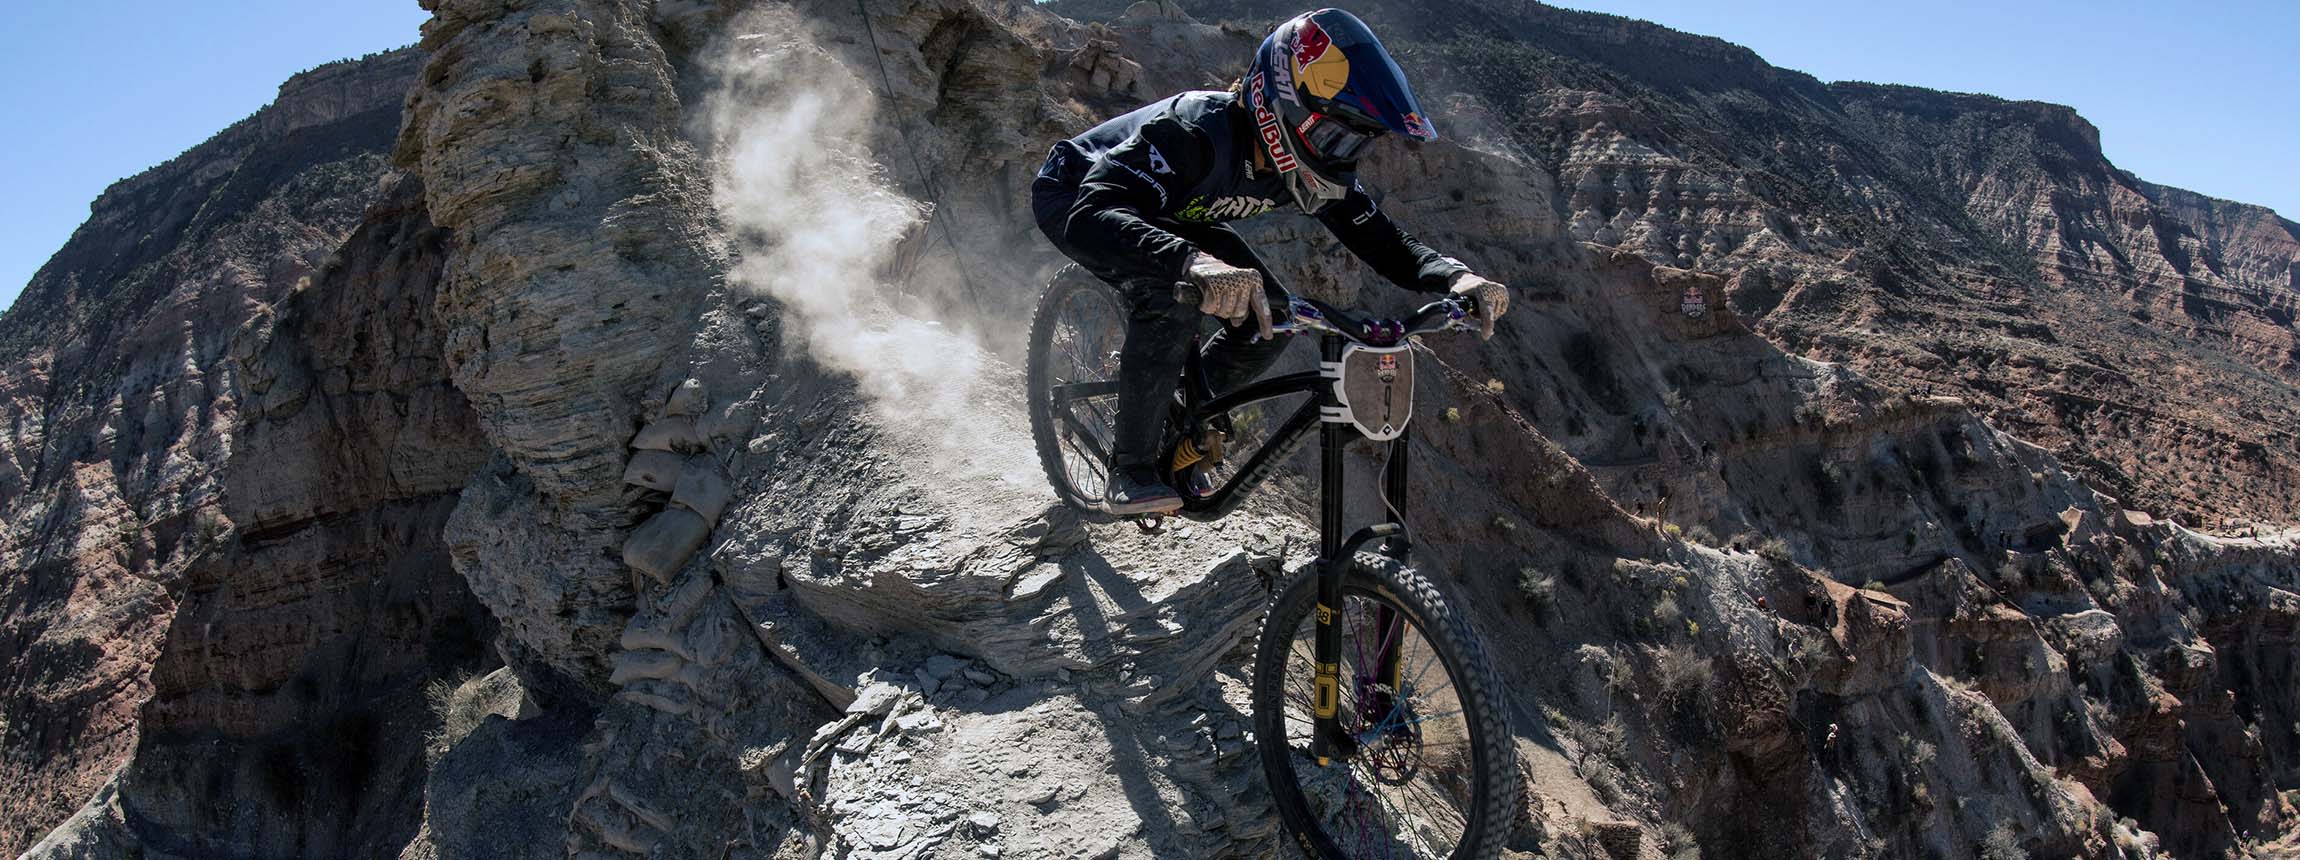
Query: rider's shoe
column 1137, row 490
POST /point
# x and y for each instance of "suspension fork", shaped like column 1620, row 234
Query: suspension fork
column 1333, row 434
column 1335, row 552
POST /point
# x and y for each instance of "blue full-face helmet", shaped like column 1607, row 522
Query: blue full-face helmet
column 1322, row 90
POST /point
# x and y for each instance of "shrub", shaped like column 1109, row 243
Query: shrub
column 1920, row 752
column 2011, row 575
column 451, row 718
column 1677, row 842
column 1666, row 615
column 1608, row 740
column 1618, row 674
column 2003, row 843
column 1682, row 675
column 1605, row 784
column 1775, row 550
column 461, row 704
column 1538, row 588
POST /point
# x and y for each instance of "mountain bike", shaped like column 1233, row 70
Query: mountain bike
column 1376, row 713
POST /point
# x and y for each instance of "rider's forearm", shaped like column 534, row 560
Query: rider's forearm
column 1389, row 249
column 1122, row 241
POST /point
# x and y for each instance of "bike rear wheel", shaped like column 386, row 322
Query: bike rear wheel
column 1072, row 371
column 1428, row 770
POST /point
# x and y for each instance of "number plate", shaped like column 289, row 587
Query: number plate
column 1376, row 387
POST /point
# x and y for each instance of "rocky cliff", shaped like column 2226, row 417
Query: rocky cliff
column 664, row 388
column 122, row 404
column 1942, row 243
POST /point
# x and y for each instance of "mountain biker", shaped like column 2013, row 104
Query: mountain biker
column 1140, row 201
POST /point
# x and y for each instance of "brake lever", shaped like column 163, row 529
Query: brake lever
column 1299, row 316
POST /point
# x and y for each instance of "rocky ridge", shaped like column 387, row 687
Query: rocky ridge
column 1745, row 600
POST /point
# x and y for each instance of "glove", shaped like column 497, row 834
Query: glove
column 1492, row 299
column 1229, row 292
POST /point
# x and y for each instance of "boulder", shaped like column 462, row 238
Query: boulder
column 688, row 399
column 659, row 547
column 633, row 666
column 703, row 488
column 673, row 433
column 655, row 470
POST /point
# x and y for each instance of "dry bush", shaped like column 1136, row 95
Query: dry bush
column 461, row 703
column 1677, row 842
column 1681, row 674
column 1539, row 590
column 1604, row 783
column 1618, row 674
column 2012, row 576
column 451, row 719
column 2003, row 843
column 1667, row 617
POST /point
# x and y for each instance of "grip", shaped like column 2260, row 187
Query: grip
column 1186, row 293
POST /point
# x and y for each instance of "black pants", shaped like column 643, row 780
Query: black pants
column 1159, row 329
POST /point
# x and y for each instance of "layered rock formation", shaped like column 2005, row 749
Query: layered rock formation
column 121, row 406
column 684, row 338
column 2139, row 332
column 289, row 711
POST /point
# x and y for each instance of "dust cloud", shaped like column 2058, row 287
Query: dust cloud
column 818, row 225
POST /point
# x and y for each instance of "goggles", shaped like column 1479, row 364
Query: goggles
column 1332, row 140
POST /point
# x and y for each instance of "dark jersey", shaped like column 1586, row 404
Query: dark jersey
column 1129, row 182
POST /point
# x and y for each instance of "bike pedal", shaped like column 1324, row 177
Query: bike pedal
column 1152, row 524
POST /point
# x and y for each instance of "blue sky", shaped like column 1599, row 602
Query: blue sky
column 95, row 92
column 2195, row 95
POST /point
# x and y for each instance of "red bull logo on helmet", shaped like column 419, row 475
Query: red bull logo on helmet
column 1310, row 43
column 1419, row 127
column 1273, row 133
column 1318, row 68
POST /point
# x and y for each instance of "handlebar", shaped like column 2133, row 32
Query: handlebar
column 1304, row 315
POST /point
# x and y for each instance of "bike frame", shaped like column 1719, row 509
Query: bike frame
column 1325, row 413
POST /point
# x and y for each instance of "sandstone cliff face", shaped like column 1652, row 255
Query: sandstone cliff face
column 2133, row 288
column 653, row 346
column 288, row 713
column 548, row 143
column 118, row 398
column 1947, row 243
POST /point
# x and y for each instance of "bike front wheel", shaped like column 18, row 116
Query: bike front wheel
column 1424, row 766
column 1075, row 336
